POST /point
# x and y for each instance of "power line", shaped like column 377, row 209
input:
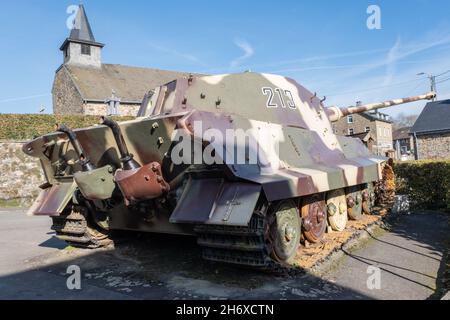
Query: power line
column 440, row 81
column 414, row 89
column 375, row 88
column 443, row 73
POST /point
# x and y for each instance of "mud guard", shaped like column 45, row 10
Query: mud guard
column 216, row 202
column 53, row 200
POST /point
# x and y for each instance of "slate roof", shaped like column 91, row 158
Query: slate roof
column 402, row 133
column 129, row 83
column 81, row 32
column 364, row 136
column 435, row 117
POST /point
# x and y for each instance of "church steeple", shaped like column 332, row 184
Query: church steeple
column 80, row 48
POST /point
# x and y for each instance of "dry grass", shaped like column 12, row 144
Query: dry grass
column 309, row 256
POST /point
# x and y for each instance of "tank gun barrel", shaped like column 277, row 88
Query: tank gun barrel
column 335, row 113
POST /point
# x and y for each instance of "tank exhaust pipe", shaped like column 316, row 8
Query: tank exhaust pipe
column 335, row 113
column 136, row 182
column 128, row 163
column 84, row 160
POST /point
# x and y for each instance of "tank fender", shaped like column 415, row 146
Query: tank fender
column 53, row 200
column 216, row 201
column 97, row 184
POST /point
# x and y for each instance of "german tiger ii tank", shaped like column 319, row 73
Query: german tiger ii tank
column 248, row 163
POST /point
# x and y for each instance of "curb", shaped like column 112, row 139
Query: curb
column 323, row 265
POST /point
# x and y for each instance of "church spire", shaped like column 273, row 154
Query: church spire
column 82, row 29
column 80, row 47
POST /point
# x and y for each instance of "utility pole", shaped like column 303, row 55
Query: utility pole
column 433, row 84
column 432, row 79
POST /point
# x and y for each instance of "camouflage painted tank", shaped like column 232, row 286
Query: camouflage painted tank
column 248, row 163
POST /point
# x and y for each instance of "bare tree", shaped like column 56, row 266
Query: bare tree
column 402, row 120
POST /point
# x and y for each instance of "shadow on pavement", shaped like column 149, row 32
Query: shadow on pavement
column 420, row 236
column 150, row 266
column 53, row 242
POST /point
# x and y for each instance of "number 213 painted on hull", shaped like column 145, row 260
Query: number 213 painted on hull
column 285, row 97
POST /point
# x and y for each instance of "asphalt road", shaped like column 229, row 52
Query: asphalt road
column 33, row 265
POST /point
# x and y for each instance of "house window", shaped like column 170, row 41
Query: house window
column 404, row 150
column 351, row 131
column 86, row 49
column 367, row 129
column 350, row 119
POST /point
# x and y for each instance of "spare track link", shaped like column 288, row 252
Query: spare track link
column 244, row 246
column 73, row 229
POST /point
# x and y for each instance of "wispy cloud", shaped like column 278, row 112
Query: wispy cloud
column 25, row 98
column 324, row 58
column 391, row 60
column 246, row 48
column 388, row 75
column 400, row 51
column 176, row 53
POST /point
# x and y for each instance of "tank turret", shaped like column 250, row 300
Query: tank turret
column 335, row 113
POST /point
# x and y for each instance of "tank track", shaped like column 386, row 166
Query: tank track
column 243, row 246
column 75, row 231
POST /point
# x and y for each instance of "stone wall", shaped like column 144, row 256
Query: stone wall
column 20, row 175
column 101, row 109
column 434, row 146
column 66, row 98
column 359, row 125
column 74, row 56
column 68, row 101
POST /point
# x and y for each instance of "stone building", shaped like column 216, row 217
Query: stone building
column 403, row 144
column 431, row 132
column 366, row 138
column 85, row 85
column 377, row 123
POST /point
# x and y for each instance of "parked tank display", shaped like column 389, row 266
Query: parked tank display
column 296, row 176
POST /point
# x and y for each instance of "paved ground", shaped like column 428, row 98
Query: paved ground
column 33, row 265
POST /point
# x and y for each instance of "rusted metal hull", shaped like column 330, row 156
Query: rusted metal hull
column 143, row 183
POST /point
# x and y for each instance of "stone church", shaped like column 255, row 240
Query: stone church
column 84, row 85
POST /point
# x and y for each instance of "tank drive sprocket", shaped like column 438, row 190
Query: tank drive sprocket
column 76, row 230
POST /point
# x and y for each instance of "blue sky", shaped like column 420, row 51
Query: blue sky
column 324, row 45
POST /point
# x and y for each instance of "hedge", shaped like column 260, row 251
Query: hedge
column 426, row 182
column 29, row 126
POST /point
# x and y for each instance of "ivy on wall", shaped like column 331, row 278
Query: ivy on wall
column 29, row 126
column 427, row 182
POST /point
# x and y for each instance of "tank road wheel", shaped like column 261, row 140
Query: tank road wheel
column 314, row 217
column 368, row 198
column 284, row 231
column 337, row 209
column 354, row 202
